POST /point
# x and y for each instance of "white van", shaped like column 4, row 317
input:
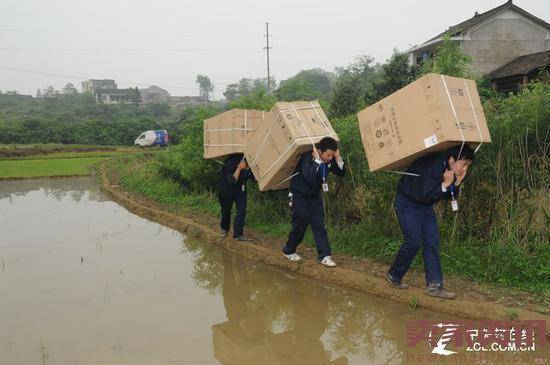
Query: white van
column 152, row 138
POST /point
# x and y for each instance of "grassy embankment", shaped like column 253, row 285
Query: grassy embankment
column 488, row 262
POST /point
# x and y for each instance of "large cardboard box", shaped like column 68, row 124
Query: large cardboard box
column 228, row 132
column 431, row 114
column 288, row 130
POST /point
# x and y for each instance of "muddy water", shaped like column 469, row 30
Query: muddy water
column 83, row 281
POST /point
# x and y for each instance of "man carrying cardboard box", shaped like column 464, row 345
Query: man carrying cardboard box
column 233, row 177
column 309, row 178
column 427, row 180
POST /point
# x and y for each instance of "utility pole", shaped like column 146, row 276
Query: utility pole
column 267, row 52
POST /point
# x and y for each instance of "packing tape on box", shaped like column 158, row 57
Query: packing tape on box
column 245, row 121
column 283, row 153
column 312, row 106
column 295, row 140
column 219, row 130
column 457, row 122
column 322, row 120
column 475, row 117
column 223, row 145
column 308, row 134
column 456, row 116
column 229, row 130
column 304, row 126
column 309, row 137
column 262, row 145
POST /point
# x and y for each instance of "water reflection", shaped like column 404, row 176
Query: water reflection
column 282, row 318
column 247, row 337
column 75, row 188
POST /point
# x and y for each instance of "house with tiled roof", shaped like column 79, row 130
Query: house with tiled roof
column 519, row 72
column 492, row 39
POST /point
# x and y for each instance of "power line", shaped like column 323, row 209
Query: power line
column 88, row 34
column 128, row 50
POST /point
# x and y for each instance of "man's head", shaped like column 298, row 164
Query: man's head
column 458, row 160
column 326, row 148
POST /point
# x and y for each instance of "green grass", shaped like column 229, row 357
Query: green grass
column 60, row 155
column 47, row 167
column 43, row 160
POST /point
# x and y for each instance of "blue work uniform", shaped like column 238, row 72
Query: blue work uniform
column 414, row 202
column 307, row 205
column 233, row 191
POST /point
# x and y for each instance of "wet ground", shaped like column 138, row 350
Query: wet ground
column 83, row 281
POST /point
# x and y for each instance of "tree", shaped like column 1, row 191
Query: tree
column 352, row 83
column 449, row 60
column 159, row 109
column 245, row 87
column 70, row 90
column 395, row 74
column 259, row 99
column 231, row 92
column 206, row 87
column 50, row 93
column 135, row 95
column 306, row 85
column 345, row 95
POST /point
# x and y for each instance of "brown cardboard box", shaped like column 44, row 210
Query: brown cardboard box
column 431, row 114
column 288, row 130
column 228, row 132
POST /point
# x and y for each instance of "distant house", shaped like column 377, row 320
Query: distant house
column 154, row 94
column 516, row 74
column 492, row 39
column 114, row 96
column 107, row 91
column 92, row 85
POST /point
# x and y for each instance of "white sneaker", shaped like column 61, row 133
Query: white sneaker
column 293, row 257
column 327, row 261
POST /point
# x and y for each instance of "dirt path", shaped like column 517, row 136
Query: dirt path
column 474, row 301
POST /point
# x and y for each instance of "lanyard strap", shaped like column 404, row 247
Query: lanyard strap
column 323, row 171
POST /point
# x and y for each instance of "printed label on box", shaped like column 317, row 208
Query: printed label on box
column 430, row 141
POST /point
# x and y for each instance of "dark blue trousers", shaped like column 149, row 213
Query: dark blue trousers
column 419, row 226
column 227, row 198
column 308, row 211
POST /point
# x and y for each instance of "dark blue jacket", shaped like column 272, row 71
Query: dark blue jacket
column 426, row 188
column 227, row 182
column 309, row 176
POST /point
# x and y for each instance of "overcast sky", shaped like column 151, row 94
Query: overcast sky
column 169, row 42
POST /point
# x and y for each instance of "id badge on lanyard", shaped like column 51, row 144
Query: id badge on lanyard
column 325, row 184
column 454, row 202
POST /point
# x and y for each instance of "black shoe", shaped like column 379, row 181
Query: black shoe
column 436, row 290
column 396, row 284
column 242, row 238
